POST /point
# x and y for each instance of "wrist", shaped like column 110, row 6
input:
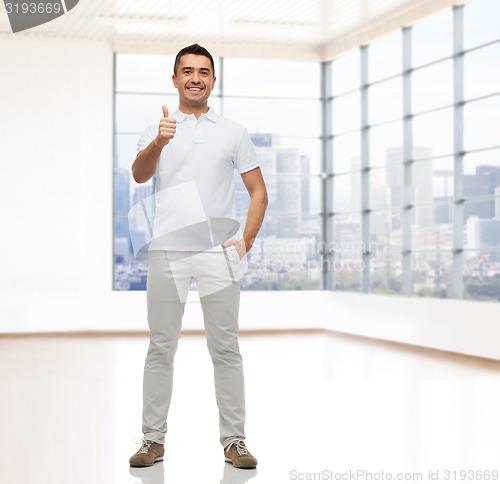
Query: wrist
column 248, row 242
column 159, row 143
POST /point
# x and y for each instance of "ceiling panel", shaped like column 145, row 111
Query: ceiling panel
column 258, row 25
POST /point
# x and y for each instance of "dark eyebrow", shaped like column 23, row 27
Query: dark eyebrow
column 192, row 68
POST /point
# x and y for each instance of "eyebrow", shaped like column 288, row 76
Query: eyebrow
column 192, row 68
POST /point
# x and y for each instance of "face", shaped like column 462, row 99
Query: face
column 194, row 80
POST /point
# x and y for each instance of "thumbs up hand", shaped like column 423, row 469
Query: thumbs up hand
column 166, row 129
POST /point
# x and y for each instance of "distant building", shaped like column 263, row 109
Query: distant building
column 497, row 203
column 305, row 186
column 478, row 185
column 123, row 246
column 482, row 236
column 287, row 176
column 421, row 181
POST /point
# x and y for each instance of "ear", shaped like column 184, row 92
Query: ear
column 213, row 82
column 174, row 80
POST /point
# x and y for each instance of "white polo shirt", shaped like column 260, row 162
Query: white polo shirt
column 195, row 181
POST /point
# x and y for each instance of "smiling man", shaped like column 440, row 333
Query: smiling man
column 193, row 154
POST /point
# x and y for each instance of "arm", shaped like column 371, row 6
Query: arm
column 256, row 188
column 144, row 166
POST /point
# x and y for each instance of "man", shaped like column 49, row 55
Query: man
column 193, row 153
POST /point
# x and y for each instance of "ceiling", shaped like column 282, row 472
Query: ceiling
column 316, row 29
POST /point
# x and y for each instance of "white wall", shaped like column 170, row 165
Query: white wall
column 56, row 210
column 56, row 177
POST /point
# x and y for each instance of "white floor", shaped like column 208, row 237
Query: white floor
column 317, row 405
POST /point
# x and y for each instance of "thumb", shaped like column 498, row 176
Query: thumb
column 165, row 111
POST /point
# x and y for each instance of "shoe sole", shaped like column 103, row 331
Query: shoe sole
column 158, row 459
column 239, row 467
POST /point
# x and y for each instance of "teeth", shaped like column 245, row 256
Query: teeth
column 194, row 89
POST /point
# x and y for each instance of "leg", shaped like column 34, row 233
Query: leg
column 167, row 286
column 217, row 278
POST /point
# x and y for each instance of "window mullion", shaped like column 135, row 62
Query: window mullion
column 326, row 242
column 407, row 167
column 365, row 174
column 458, row 92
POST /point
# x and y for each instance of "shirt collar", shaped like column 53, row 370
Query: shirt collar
column 211, row 115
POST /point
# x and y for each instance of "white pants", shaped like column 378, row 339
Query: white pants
column 170, row 274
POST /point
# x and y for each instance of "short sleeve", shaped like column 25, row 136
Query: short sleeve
column 148, row 135
column 246, row 156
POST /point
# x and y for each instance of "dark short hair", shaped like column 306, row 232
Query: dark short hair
column 193, row 49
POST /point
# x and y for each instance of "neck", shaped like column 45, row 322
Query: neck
column 193, row 109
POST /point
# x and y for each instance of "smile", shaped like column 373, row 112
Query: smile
column 194, row 89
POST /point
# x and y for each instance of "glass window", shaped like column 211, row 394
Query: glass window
column 432, row 274
column 484, row 183
column 433, row 134
column 422, row 182
column 122, row 192
column 385, row 101
column 386, row 144
column 432, row 227
column 346, row 73
column 432, row 87
column 481, row 224
column 386, row 273
column 386, row 186
column 347, row 272
column 276, row 116
column 287, row 194
column 150, row 73
column 385, row 57
column 482, row 71
column 481, row 273
column 271, row 78
column 481, row 22
column 347, row 192
column 269, row 96
column 125, row 151
column 347, row 261
column 487, row 158
column 477, row 216
column 481, row 123
column 311, row 197
column 386, row 234
column 432, row 181
column 282, row 263
column 347, row 152
column 346, row 112
column 145, row 73
column 432, row 39
column 130, row 274
column 309, row 149
column 289, row 153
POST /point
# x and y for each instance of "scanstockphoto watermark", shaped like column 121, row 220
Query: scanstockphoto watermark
column 24, row 15
column 362, row 475
column 365, row 475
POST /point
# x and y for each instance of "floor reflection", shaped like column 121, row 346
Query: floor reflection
column 315, row 403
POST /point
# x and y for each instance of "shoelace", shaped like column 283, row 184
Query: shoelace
column 146, row 444
column 240, row 447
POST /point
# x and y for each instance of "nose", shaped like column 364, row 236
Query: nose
column 195, row 77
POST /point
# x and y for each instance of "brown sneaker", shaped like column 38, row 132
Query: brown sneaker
column 149, row 453
column 239, row 456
